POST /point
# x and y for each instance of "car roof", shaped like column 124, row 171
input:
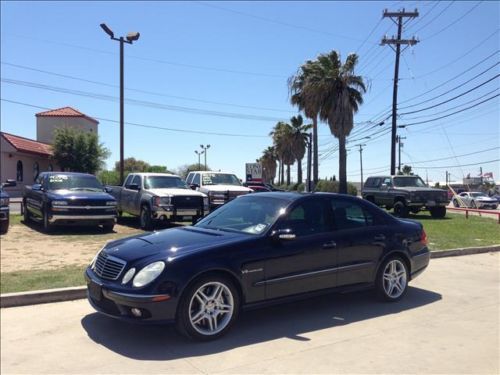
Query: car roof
column 67, row 173
column 294, row 195
column 211, row 172
column 149, row 174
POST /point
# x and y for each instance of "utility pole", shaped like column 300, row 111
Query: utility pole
column 397, row 18
column 361, row 161
column 481, row 174
column 400, row 144
column 309, row 153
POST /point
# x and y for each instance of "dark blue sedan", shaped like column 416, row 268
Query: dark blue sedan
column 255, row 250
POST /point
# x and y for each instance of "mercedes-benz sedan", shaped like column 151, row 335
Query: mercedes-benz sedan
column 255, row 250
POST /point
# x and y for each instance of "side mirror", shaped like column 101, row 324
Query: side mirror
column 9, row 183
column 36, row 187
column 108, row 189
column 194, row 186
column 284, row 234
column 384, row 186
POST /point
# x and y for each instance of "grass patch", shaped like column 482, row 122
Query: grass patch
column 22, row 281
column 455, row 231
column 15, row 219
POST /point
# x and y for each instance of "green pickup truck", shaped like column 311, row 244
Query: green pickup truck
column 405, row 194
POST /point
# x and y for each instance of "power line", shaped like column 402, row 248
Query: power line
column 148, row 125
column 451, row 99
column 457, row 166
column 139, row 90
column 436, row 17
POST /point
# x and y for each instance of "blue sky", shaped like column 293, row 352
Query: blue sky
column 222, row 67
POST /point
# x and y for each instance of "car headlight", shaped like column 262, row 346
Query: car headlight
column 111, row 203
column 128, row 276
column 59, row 203
column 4, row 201
column 165, row 200
column 148, row 274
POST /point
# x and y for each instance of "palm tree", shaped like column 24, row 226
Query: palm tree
column 334, row 88
column 282, row 138
column 297, row 85
column 299, row 142
column 268, row 161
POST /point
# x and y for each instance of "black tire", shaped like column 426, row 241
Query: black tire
column 145, row 220
column 370, row 199
column 455, row 203
column 415, row 210
column 108, row 227
column 400, row 209
column 4, row 226
column 473, row 204
column 386, row 278
column 189, row 303
column 47, row 227
column 26, row 214
column 438, row 212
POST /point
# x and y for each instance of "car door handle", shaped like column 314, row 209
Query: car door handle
column 330, row 245
column 379, row 237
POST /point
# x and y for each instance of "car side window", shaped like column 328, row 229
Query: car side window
column 196, row 179
column 375, row 182
column 128, row 180
column 351, row 215
column 137, row 180
column 387, row 181
column 309, row 217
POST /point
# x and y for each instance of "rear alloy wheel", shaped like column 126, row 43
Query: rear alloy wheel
column 455, row 203
column 145, row 218
column 400, row 209
column 392, row 280
column 108, row 228
column 438, row 212
column 473, row 204
column 208, row 308
column 4, row 226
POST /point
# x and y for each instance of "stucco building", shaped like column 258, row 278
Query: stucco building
column 23, row 159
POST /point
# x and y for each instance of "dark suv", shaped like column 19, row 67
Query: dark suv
column 405, row 194
column 4, row 206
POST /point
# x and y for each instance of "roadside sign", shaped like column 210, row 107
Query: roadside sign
column 253, row 172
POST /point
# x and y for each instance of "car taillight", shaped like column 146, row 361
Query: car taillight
column 423, row 238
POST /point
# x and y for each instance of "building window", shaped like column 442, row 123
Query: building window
column 19, row 169
column 51, row 167
column 36, row 170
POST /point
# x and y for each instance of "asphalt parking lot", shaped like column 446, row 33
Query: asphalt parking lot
column 448, row 323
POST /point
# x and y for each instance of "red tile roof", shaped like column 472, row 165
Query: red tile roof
column 27, row 145
column 65, row 112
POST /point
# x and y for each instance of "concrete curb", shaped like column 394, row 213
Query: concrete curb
column 80, row 292
column 42, row 296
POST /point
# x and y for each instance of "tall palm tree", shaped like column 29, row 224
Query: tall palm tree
column 334, row 88
column 282, row 138
column 299, row 142
column 297, row 84
column 268, row 160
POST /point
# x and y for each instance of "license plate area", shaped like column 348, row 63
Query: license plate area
column 431, row 203
column 95, row 290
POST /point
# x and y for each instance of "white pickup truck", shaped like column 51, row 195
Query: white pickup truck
column 219, row 186
column 158, row 197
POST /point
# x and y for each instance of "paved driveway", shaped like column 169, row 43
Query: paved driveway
column 448, row 323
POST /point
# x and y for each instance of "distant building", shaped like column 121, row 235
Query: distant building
column 23, row 159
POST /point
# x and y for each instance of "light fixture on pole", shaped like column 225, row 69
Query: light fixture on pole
column 205, row 148
column 131, row 37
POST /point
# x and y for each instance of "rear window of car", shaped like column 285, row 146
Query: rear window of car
column 372, row 182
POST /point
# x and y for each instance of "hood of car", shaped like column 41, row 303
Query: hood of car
column 226, row 188
column 177, row 192
column 80, row 195
column 170, row 243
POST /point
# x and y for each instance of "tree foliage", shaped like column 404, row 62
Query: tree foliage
column 78, row 151
column 131, row 165
column 184, row 170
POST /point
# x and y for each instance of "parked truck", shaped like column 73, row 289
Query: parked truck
column 405, row 194
column 155, row 197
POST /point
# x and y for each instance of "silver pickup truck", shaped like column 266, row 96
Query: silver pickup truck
column 158, row 197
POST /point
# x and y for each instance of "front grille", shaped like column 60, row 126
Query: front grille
column 86, row 202
column 181, row 202
column 108, row 267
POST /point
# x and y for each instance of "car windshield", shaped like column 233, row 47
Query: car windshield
column 477, row 195
column 245, row 214
column 73, row 182
column 164, row 182
column 409, row 182
column 220, row 179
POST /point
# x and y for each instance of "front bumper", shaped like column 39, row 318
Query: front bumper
column 80, row 219
column 493, row 205
column 158, row 308
column 170, row 212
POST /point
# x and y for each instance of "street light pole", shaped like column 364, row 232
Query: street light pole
column 199, row 153
column 205, row 148
column 131, row 37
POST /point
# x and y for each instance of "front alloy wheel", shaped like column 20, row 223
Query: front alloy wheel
column 208, row 309
column 393, row 279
